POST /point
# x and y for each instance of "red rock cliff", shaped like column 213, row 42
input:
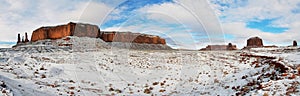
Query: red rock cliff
column 71, row 29
column 87, row 30
column 131, row 37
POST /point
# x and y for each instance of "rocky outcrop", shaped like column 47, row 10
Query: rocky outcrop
column 231, row 47
column 87, row 30
column 131, row 38
column 71, row 29
column 219, row 47
column 19, row 39
column 295, row 43
column 254, row 42
column 23, row 40
column 26, row 38
column 114, row 39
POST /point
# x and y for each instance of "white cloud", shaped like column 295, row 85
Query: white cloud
column 196, row 15
column 255, row 9
column 25, row 16
column 235, row 15
column 258, row 10
column 193, row 17
column 242, row 33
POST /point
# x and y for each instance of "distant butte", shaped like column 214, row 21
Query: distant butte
column 295, row 43
column 255, row 42
column 219, row 47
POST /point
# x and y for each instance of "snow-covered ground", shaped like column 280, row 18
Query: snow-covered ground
column 46, row 70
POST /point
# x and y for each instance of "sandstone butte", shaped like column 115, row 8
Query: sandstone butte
column 254, row 42
column 93, row 31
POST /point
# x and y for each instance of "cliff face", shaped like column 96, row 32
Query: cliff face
column 87, row 30
column 131, row 37
column 71, row 29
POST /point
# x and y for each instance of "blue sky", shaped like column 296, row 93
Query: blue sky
column 189, row 24
column 266, row 26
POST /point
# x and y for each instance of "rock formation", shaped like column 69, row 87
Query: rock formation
column 254, row 42
column 19, row 39
column 231, row 47
column 71, row 29
column 23, row 41
column 295, row 43
column 52, row 33
column 219, row 47
column 131, row 38
column 26, row 37
column 87, row 30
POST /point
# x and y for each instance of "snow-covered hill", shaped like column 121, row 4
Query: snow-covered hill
column 92, row 68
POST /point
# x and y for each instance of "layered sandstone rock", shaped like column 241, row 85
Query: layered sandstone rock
column 219, row 47
column 71, row 29
column 114, row 39
column 254, row 42
column 131, row 38
column 87, row 30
